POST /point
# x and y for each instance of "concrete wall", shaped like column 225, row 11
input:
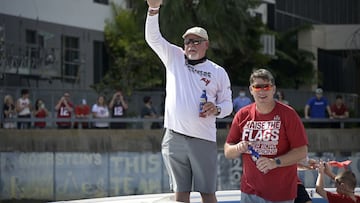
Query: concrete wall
column 330, row 37
column 54, row 165
column 137, row 140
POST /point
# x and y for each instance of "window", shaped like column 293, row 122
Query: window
column 2, row 41
column 106, row 2
column 30, row 36
column 129, row 4
column 34, row 44
column 268, row 42
column 101, row 62
column 70, row 57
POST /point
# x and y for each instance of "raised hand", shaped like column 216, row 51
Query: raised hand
column 154, row 3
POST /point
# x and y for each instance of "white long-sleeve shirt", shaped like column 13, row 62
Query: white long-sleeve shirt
column 184, row 85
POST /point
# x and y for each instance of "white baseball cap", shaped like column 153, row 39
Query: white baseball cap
column 199, row 31
column 318, row 91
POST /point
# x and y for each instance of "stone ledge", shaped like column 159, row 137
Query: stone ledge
column 97, row 140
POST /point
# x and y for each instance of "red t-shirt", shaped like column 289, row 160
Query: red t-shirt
column 339, row 198
column 64, row 113
column 339, row 111
column 271, row 135
column 40, row 114
column 82, row 110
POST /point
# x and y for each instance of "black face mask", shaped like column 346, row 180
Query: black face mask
column 195, row 62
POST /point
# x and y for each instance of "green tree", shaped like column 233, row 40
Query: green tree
column 234, row 43
column 133, row 64
column 293, row 67
column 234, row 34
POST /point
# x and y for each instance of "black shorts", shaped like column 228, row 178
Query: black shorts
column 302, row 194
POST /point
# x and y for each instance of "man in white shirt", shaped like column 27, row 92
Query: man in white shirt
column 23, row 108
column 189, row 145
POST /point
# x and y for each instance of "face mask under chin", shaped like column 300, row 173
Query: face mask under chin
column 193, row 56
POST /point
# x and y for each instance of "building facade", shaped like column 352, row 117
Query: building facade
column 51, row 43
column 334, row 39
column 59, row 44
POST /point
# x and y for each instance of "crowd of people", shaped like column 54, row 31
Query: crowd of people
column 317, row 107
column 64, row 109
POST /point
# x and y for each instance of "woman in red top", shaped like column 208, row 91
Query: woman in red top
column 82, row 111
column 40, row 112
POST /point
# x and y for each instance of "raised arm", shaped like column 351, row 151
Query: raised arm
column 154, row 3
column 320, row 181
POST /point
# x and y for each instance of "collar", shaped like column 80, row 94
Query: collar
column 195, row 62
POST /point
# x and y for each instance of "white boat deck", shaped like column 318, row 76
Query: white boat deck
column 222, row 196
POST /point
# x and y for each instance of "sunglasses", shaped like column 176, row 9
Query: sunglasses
column 337, row 182
column 194, row 41
column 265, row 87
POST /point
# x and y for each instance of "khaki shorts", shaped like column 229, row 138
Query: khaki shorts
column 191, row 162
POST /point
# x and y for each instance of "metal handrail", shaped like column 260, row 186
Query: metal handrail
column 159, row 120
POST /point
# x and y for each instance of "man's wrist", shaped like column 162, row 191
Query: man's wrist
column 218, row 110
column 154, row 8
column 153, row 11
column 277, row 161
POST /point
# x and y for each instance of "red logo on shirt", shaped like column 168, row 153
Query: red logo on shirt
column 207, row 81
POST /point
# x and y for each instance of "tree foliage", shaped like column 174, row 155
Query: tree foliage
column 133, row 64
column 293, row 67
column 234, row 43
column 234, row 34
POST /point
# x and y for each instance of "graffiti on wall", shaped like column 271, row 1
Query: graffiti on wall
column 136, row 173
column 60, row 176
column 26, row 175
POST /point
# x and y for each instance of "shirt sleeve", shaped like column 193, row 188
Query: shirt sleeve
column 224, row 98
column 155, row 40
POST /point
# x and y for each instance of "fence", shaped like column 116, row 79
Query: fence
column 296, row 98
column 137, row 123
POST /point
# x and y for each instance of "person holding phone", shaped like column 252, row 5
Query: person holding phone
column 40, row 112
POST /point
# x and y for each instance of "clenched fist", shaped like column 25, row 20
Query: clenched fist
column 154, row 3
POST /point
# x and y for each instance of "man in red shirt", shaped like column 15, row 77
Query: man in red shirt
column 339, row 109
column 278, row 140
column 64, row 109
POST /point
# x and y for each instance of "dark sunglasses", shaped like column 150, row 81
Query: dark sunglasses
column 337, row 181
column 265, row 87
column 194, row 41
